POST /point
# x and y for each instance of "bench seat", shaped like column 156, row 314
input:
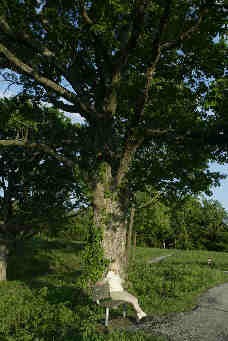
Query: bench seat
column 101, row 295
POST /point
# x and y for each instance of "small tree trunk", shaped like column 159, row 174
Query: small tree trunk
column 134, row 246
column 3, row 262
column 129, row 236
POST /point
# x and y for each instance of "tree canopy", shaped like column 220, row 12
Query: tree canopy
column 35, row 186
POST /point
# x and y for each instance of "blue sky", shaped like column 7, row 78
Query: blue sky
column 219, row 193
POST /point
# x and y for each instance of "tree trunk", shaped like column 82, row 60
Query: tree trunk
column 134, row 246
column 129, row 235
column 110, row 203
column 3, row 262
column 109, row 216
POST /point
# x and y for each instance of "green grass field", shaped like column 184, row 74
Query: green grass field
column 42, row 300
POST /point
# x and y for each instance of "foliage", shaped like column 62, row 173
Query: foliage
column 26, row 314
column 106, row 53
column 201, row 225
column 214, row 227
column 36, row 188
column 193, row 223
column 152, row 224
column 77, row 226
column 93, row 262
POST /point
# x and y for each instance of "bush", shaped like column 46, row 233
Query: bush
column 27, row 315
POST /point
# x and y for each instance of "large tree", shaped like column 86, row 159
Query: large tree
column 137, row 72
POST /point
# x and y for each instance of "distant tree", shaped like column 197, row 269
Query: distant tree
column 153, row 225
column 200, row 224
column 151, row 220
column 185, row 221
column 214, row 228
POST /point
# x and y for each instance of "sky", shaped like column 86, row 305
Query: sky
column 219, row 193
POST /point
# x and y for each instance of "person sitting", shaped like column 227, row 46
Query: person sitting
column 117, row 291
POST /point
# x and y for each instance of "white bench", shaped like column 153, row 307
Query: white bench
column 101, row 295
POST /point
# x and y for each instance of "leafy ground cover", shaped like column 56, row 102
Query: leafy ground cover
column 43, row 301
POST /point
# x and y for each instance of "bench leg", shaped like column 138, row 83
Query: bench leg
column 124, row 311
column 106, row 317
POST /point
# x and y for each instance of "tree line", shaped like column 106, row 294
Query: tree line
column 196, row 223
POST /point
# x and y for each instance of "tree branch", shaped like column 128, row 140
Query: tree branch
column 85, row 15
column 40, row 146
column 156, row 46
column 81, row 211
column 101, row 63
column 131, row 146
column 133, row 143
column 68, row 95
column 32, row 44
column 148, row 203
column 44, row 51
column 24, row 37
column 138, row 25
column 158, row 132
column 121, row 58
column 187, row 33
column 3, row 185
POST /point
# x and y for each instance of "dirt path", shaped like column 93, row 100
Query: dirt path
column 208, row 322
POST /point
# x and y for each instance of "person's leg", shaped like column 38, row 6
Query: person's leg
column 127, row 297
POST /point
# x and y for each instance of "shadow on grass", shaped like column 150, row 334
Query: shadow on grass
column 49, row 266
column 36, row 258
column 70, row 295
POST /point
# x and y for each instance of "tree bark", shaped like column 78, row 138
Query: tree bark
column 3, row 262
column 110, row 217
column 134, row 246
column 129, row 235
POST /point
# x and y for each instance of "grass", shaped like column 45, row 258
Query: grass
column 176, row 282
column 191, row 257
column 47, row 272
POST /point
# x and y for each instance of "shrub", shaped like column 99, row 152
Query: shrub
column 27, row 315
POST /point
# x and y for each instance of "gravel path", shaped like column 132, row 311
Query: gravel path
column 207, row 322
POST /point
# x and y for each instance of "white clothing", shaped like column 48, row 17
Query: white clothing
column 114, row 281
column 117, row 292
